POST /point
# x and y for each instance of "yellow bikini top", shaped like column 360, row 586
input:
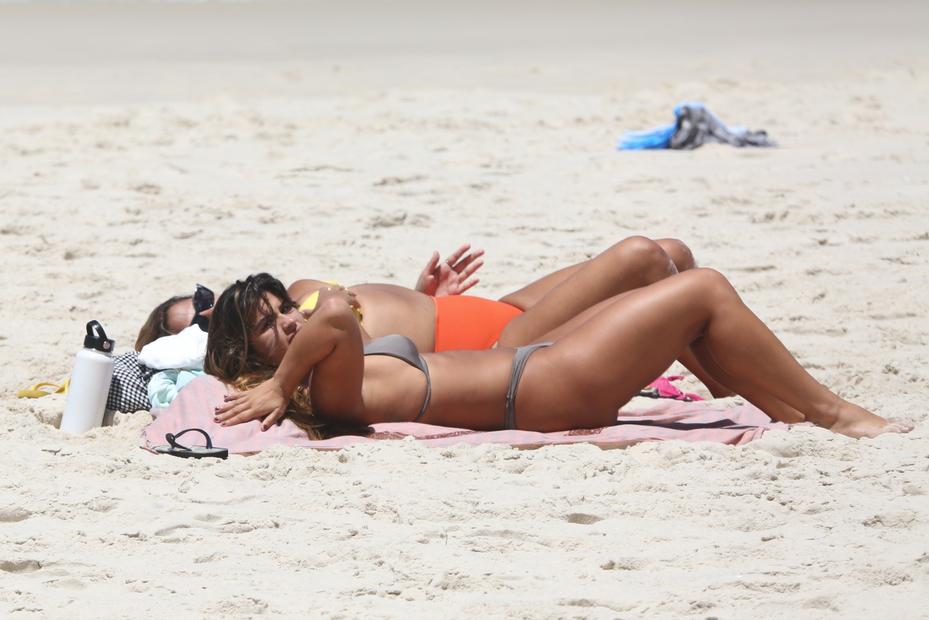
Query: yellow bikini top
column 313, row 298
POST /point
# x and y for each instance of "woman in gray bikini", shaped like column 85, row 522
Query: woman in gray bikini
column 259, row 340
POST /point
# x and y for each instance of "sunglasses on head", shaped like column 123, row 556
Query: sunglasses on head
column 203, row 300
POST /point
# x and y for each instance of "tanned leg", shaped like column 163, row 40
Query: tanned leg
column 632, row 263
column 529, row 295
column 680, row 254
column 629, row 264
column 606, row 360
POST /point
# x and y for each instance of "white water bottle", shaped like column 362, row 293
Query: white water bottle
column 90, row 382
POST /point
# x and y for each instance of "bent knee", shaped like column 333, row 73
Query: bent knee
column 644, row 256
column 709, row 281
column 679, row 252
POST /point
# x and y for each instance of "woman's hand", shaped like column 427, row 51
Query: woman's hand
column 267, row 401
column 453, row 275
column 337, row 292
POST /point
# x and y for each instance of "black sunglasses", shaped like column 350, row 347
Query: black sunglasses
column 203, row 300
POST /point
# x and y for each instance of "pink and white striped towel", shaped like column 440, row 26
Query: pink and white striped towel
column 667, row 419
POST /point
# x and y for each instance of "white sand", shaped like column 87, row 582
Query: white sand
column 146, row 147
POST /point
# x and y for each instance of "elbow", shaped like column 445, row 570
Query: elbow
column 359, row 418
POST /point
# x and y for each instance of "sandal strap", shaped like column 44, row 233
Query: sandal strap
column 172, row 438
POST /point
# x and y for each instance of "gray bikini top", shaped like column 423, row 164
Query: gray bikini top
column 402, row 348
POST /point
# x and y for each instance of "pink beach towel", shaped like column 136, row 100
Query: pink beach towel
column 688, row 421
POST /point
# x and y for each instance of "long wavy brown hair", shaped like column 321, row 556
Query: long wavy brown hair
column 230, row 356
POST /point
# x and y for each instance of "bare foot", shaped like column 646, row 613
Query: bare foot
column 856, row 422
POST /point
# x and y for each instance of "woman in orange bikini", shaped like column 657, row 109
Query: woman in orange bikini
column 455, row 321
column 549, row 306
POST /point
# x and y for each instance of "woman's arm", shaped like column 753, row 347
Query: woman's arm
column 328, row 345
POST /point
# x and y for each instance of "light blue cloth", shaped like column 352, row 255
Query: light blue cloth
column 164, row 385
column 657, row 138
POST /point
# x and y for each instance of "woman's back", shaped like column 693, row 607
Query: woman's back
column 386, row 309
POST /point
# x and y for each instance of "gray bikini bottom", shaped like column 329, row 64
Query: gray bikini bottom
column 403, row 348
column 516, row 372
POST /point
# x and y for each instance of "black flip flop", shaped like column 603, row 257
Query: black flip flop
column 193, row 452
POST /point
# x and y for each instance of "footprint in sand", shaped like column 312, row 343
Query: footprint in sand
column 20, row 566
column 208, row 517
column 625, row 564
column 387, row 220
column 821, row 602
column 69, row 584
column 78, row 253
column 389, row 181
column 242, row 527
column 504, row 534
column 582, row 518
column 173, row 533
column 237, row 606
column 13, row 231
column 147, row 188
column 13, row 514
column 884, row 576
column 890, row 519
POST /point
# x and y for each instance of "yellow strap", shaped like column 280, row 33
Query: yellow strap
column 310, row 302
column 312, row 299
column 41, row 389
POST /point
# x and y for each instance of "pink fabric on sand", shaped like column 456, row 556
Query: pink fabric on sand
column 667, row 419
column 664, row 388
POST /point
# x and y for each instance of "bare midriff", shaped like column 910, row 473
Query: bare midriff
column 468, row 388
column 389, row 309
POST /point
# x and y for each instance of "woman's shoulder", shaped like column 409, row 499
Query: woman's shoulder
column 299, row 289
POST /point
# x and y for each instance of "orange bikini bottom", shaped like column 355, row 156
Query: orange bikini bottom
column 464, row 322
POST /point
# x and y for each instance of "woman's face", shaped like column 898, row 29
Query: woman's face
column 274, row 326
column 179, row 316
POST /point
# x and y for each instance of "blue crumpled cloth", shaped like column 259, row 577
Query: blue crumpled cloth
column 694, row 125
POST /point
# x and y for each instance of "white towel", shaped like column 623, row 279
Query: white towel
column 184, row 350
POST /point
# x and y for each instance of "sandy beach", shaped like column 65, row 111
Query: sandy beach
column 148, row 146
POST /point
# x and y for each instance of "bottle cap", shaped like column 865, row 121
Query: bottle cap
column 96, row 338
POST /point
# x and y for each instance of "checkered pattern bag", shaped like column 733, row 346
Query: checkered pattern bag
column 129, row 389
